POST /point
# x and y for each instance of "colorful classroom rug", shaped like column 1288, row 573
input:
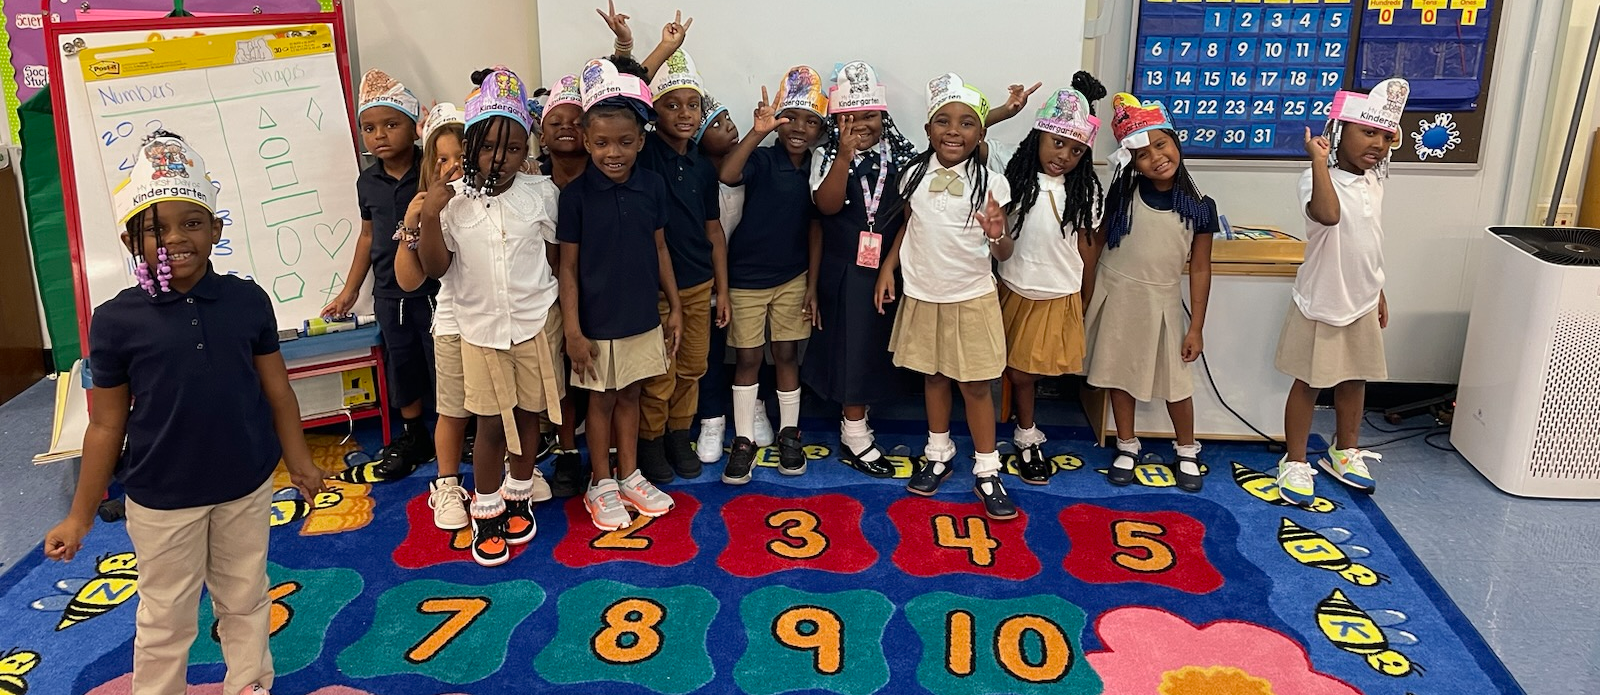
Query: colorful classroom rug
column 824, row 583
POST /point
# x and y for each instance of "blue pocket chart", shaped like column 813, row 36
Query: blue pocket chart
column 1243, row 80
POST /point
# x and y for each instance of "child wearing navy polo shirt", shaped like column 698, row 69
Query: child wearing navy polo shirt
column 186, row 368
column 614, row 258
column 387, row 116
column 768, row 258
column 699, row 262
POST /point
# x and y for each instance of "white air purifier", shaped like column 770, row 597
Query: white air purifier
column 1528, row 409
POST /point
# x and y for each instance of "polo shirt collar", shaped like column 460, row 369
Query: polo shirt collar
column 666, row 151
column 1341, row 176
column 601, row 182
column 379, row 172
column 208, row 288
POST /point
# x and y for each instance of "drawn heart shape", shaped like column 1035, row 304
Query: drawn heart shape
column 333, row 238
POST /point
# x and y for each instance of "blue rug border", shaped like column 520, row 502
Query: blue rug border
column 1487, row 659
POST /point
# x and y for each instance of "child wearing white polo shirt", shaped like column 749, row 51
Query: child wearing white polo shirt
column 1332, row 336
column 496, row 228
column 949, row 326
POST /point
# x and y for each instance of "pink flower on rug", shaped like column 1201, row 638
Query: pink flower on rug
column 1149, row 651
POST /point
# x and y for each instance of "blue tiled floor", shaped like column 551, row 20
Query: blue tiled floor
column 1526, row 572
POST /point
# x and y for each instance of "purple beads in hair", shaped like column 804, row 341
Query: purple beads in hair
column 163, row 274
column 163, row 270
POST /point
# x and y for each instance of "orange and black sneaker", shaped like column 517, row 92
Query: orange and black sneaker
column 519, row 524
column 489, row 541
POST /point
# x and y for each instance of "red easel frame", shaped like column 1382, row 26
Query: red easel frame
column 53, row 32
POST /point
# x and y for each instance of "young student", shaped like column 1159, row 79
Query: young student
column 1156, row 224
column 698, row 248
column 614, row 258
column 443, row 131
column 769, row 255
column 387, row 115
column 498, row 235
column 561, row 134
column 860, row 217
column 1333, row 334
column 1055, row 207
column 187, row 370
column 949, row 327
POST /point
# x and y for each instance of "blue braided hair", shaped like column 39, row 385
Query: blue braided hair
column 1187, row 200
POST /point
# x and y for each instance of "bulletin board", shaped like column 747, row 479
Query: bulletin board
column 264, row 98
column 1243, row 79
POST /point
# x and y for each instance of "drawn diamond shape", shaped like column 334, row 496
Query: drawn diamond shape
column 288, row 288
column 314, row 113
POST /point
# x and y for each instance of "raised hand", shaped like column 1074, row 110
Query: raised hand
column 992, row 219
column 1318, row 148
column 676, row 30
column 617, row 22
column 766, row 117
column 849, row 139
column 1018, row 98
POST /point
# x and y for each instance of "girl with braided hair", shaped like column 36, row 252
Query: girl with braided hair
column 1055, row 207
column 1157, row 224
column 492, row 234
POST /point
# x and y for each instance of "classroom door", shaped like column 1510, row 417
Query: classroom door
column 22, row 354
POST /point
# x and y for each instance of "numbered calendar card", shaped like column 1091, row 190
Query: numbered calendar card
column 1243, row 79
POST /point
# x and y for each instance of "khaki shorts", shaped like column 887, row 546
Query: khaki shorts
column 1324, row 355
column 526, row 377
column 782, row 306
column 449, row 384
column 624, row 361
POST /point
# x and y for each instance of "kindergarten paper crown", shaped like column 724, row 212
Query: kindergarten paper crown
column 601, row 81
column 856, row 88
column 379, row 89
column 1066, row 114
column 948, row 88
column 440, row 115
column 501, row 94
column 678, row 73
column 1130, row 118
column 802, row 89
column 564, row 91
column 165, row 169
column 710, row 108
column 1380, row 109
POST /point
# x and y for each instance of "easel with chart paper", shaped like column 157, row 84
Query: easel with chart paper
column 265, row 97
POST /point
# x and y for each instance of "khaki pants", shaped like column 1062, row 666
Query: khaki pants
column 671, row 400
column 223, row 546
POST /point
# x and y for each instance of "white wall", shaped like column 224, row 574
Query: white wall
column 433, row 46
column 1571, row 51
column 1433, row 220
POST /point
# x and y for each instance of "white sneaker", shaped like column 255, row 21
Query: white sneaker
column 709, row 446
column 1296, row 484
column 643, row 496
column 448, row 500
column 540, row 492
column 604, row 503
column 764, row 434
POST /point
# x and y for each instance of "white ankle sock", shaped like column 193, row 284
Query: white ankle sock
column 1127, row 446
column 1026, row 437
column 1188, row 467
column 487, row 505
column 744, row 411
column 940, row 448
column 788, row 409
column 855, row 435
column 986, row 464
column 515, row 490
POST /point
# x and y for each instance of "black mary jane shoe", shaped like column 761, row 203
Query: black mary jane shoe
column 878, row 467
column 1186, row 482
column 1122, row 477
column 1032, row 467
column 929, row 476
column 997, row 504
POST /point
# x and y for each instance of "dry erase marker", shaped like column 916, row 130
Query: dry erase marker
column 321, row 326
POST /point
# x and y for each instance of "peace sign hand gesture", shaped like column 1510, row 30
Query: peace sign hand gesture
column 676, row 31
column 617, row 22
column 766, row 116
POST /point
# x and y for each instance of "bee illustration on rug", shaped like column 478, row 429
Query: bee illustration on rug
column 288, row 506
column 1321, row 551
column 13, row 666
column 116, row 581
column 342, row 507
column 1354, row 630
column 1153, row 472
column 1265, row 488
